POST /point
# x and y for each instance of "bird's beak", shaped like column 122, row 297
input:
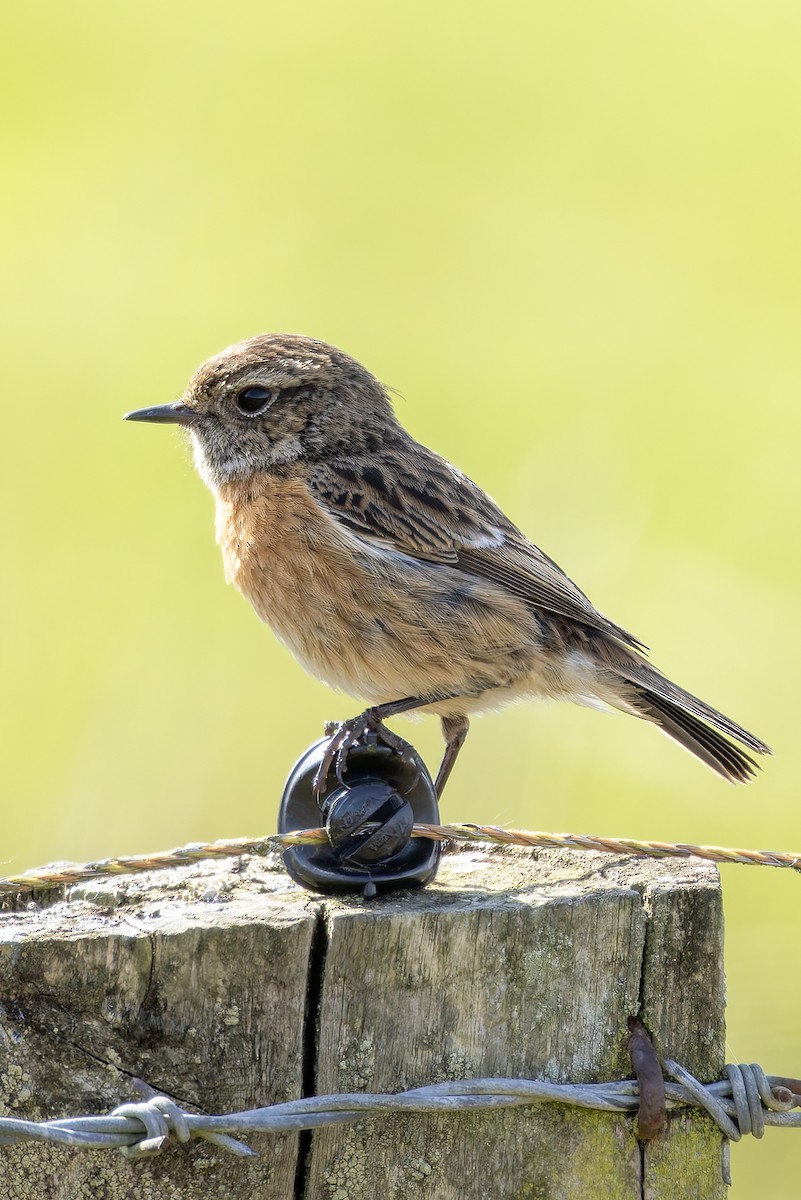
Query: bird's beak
column 172, row 414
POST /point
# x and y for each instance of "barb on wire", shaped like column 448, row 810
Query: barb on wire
column 745, row 1102
column 64, row 874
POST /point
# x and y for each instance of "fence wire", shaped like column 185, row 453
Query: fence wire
column 746, row 1101
column 62, row 874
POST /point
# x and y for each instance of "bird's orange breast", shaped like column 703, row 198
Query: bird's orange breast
column 369, row 620
column 278, row 547
column 300, row 571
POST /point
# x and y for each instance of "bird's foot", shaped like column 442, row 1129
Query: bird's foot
column 346, row 734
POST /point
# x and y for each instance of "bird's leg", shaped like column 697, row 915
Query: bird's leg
column 348, row 733
column 454, row 730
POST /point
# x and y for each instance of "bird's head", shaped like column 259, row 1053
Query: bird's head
column 275, row 399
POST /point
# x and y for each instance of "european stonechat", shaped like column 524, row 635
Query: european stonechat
column 393, row 576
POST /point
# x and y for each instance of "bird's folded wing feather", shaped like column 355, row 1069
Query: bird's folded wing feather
column 416, row 503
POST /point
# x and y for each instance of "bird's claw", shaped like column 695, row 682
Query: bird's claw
column 341, row 737
column 344, row 736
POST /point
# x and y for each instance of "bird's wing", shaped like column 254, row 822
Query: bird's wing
column 415, row 502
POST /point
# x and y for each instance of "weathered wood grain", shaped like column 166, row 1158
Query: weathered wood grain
column 227, row 987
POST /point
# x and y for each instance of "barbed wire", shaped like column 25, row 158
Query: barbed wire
column 746, row 1101
column 61, row 874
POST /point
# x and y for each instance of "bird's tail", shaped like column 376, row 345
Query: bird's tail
column 695, row 725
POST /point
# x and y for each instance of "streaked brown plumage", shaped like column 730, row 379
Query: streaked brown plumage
column 390, row 574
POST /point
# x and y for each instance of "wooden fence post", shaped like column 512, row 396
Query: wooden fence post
column 227, row 987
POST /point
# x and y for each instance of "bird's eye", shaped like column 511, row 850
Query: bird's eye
column 252, row 400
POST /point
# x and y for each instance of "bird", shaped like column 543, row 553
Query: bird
column 394, row 577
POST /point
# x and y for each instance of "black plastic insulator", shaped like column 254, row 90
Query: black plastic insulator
column 368, row 816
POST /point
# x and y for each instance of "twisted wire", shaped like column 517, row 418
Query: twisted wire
column 744, row 1102
column 63, row 874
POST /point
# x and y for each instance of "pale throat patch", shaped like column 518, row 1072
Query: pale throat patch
column 221, row 465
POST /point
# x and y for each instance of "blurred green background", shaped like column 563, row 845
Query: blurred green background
column 569, row 235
